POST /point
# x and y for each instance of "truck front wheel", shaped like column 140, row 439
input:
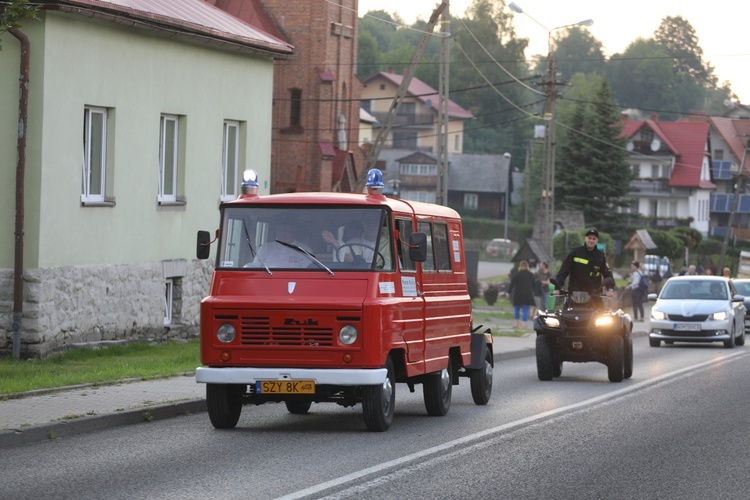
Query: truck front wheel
column 224, row 404
column 378, row 401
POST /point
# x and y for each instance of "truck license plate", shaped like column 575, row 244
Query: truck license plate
column 285, row 386
column 687, row 327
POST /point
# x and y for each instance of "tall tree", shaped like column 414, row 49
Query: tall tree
column 678, row 37
column 642, row 78
column 593, row 174
column 575, row 50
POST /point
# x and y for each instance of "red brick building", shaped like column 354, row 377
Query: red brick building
column 316, row 93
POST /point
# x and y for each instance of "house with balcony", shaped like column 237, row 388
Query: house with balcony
column 671, row 163
column 730, row 143
column 415, row 127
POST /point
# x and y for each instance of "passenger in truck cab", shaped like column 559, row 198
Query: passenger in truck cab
column 275, row 254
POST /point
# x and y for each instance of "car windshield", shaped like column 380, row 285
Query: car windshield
column 304, row 237
column 695, row 289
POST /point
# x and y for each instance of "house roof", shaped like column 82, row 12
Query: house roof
column 196, row 18
column 532, row 251
column 424, row 93
column 686, row 141
column 735, row 133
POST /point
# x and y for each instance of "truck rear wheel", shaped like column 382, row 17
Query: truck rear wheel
column 378, row 401
column 481, row 381
column 297, row 407
column 437, row 390
column 616, row 360
column 224, row 404
column 545, row 362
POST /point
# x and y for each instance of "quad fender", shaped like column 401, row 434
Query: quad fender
column 480, row 344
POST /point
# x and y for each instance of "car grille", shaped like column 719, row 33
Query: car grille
column 688, row 319
column 577, row 328
column 259, row 330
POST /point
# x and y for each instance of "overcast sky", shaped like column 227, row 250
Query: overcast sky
column 718, row 25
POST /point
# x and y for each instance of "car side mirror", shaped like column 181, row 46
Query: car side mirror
column 203, row 246
column 418, row 247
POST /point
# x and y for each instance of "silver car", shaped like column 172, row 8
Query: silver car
column 697, row 309
column 742, row 285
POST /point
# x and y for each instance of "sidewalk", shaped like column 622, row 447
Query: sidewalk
column 44, row 415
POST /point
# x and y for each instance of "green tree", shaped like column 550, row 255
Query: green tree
column 11, row 13
column 575, row 50
column 667, row 244
column 592, row 173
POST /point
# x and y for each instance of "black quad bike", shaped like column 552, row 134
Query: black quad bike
column 583, row 327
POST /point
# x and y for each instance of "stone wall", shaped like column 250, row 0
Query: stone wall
column 67, row 306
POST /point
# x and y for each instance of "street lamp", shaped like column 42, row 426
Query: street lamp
column 548, row 164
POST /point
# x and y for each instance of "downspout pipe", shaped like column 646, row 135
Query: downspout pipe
column 23, row 107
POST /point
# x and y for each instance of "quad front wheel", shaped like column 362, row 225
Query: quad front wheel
column 378, row 401
column 616, row 360
column 545, row 361
column 628, row 369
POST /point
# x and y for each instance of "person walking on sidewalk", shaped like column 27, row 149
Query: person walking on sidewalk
column 637, row 291
column 521, row 290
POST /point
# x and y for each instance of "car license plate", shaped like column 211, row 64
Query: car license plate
column 285, row 386
column 687, row 327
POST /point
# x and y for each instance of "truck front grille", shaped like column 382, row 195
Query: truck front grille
column 261, row 330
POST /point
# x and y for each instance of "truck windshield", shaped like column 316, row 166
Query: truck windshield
column 345, row 239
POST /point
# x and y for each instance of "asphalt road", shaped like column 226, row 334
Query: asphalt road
column 677, row 429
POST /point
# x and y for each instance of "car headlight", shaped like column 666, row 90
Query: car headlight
column 603, row 321
column 226, row 333
column 658, row 315
column 552, row 322
column 719, row 316
column 348, row 335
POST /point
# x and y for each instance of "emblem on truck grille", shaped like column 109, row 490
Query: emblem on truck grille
column 290, row 286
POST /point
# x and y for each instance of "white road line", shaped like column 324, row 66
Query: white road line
column 499, row 429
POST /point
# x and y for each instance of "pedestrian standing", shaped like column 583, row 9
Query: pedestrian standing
column 727, row 273
column 521, row 290
column 542, row 277
column 637, row 292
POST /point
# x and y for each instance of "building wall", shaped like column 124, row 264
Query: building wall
column 83, row 262
column 324, row 36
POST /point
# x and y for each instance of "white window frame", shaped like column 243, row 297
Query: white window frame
column 168, row 190
column 230, row 160
column 168, row 301
column 471, row 200
column 92, row 165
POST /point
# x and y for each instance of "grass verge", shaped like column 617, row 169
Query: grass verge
column 98, row 366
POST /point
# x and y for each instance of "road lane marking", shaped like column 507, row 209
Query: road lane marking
column 375, row 469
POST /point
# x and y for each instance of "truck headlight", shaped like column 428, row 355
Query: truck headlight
column 226, row 333
column 348, row 335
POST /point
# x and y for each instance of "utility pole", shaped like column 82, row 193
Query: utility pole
column 443, row 116
column 548, row 164
column 739, row 188
column 385, row 129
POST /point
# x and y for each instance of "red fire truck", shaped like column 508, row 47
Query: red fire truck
column 336, row 297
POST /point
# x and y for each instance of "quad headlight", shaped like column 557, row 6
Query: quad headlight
column 348, row 335
column 603, row 321
column 552, row 322
column 226, row 333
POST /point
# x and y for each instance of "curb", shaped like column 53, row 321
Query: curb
column 58, row 429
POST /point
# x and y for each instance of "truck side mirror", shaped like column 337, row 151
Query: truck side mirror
column 203, row 247
column 418, row 247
